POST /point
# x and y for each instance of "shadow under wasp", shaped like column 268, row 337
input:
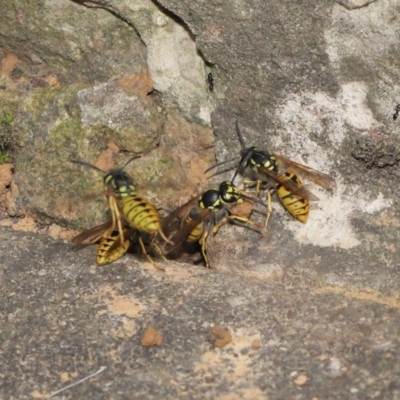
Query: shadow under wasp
column 204, row 214
column 132, row 215
column 264, row 169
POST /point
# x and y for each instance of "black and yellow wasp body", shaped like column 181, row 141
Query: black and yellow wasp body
column 262, row 169
column 137, row 211
column 109, row 247
column 128, row 208
column 195, row 220
column 107, row 252
column 269, row 170
column 297, row 206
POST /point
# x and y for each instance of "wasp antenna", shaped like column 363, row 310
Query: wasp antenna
column 253, row 199
column 86, row 164
column 243, row 162
column 219, row 173
column 130, row 160
column 235, row 174
column 240, row 136
column 218, row 164
column 245, row 152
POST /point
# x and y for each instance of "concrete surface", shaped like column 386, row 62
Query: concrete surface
column 63, row 318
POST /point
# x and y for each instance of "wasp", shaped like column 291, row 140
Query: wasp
column 263, row 169
column 110, row 249
column 107, row 251
column 128, row 207
column 206, row 213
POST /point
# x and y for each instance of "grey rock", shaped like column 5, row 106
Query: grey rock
column 70, row 41
column 176, row 67
column 293, row 337
column 314, row 81
column 305, row 81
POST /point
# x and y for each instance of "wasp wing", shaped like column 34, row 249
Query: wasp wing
column 289, row 184
column 129, row 234
column 321, row 179
column 181, row 222
column 174, row 219
column 187, row 226
column 92, row 235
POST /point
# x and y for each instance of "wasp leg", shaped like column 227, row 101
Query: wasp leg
column 203, row 242
column 258, row 184
column 269, row 212
column 245, row 220
column 121, row 232
column 159, row 251
column 247, row 183
column 164, row 237
column 268, row 202
column 235, row 218
column 220, row 223
column 116, row 220
column 258, row 188
column 144, row 252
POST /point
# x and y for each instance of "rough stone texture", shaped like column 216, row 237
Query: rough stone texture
column 136, row 120
column 61, row 131
column 352, row 4
column 177, row 69
column 98, row 110
column 314, row 81
column 5, row 182
column 67, row 41
column 306, row 80
column 47, row 59
column 62, row 318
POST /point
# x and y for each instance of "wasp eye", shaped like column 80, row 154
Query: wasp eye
column 108, row 179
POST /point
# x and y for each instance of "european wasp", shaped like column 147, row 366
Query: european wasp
column 193, row 221
column 127, row 206
column 263, row 169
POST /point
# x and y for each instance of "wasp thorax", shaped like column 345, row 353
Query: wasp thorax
column 210, row 200
column 263, row 159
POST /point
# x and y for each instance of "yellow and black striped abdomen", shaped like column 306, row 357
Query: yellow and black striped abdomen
column 105, row 255
column 140, row 214
column 196, row 234
column 297, row 206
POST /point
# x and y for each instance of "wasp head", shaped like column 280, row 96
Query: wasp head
column 119, row 182
column 229, row 193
